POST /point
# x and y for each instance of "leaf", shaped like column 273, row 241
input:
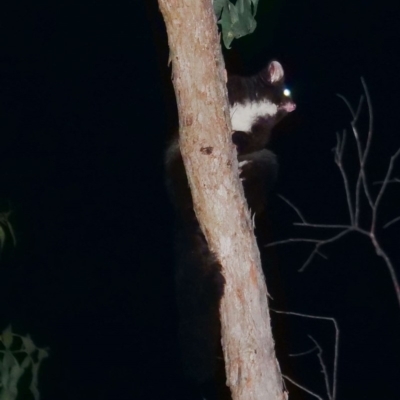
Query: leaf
column 42, row 354
column 10, row 228
column 218, row 6
column 2, row 237
column 25, row 363
column 236, row 20
column 11, row 370
column 7, row 337
column 227, row 33
column 15, row 375
column 29, row 347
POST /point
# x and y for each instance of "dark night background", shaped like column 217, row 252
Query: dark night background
column 85, row 109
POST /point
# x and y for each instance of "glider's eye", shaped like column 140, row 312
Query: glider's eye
column 286, row 92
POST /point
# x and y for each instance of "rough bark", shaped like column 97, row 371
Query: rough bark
column 212, row 169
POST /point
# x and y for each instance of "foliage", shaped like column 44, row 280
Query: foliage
column 5, row 226
column 17, row 355
column 236, row 20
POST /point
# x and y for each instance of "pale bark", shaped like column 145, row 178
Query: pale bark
column 212, row 170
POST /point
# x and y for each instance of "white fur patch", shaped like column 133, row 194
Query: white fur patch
column 244, row 115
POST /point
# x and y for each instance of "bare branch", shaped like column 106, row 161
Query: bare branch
column 336, row 357
column 339, row 151
column 304, row 353
column 294, row 240
column 302, row 387
column 323, row 243
column 361, row 185
column 383, row 188
column 293, row 207
column 353, row 113
column 364, row 155
column 380, row 252
column 305, row 223
column 326, row 226
column 323, row 366
column 393, row 221
column 359, row 108
column 394, row 180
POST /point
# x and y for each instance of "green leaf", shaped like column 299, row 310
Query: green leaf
column 227, row 33
column 10, row 228
column 25, row 363
column 236, row 20
column 43, row 353
column 218, row 6
column 7, row 337
column 29, row 347
column 2, row 237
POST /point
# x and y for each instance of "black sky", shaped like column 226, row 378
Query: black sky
column 85, row 108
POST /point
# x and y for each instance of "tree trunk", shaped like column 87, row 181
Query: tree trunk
column 211, row 164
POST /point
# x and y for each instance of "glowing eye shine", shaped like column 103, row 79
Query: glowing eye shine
column 286, row 92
